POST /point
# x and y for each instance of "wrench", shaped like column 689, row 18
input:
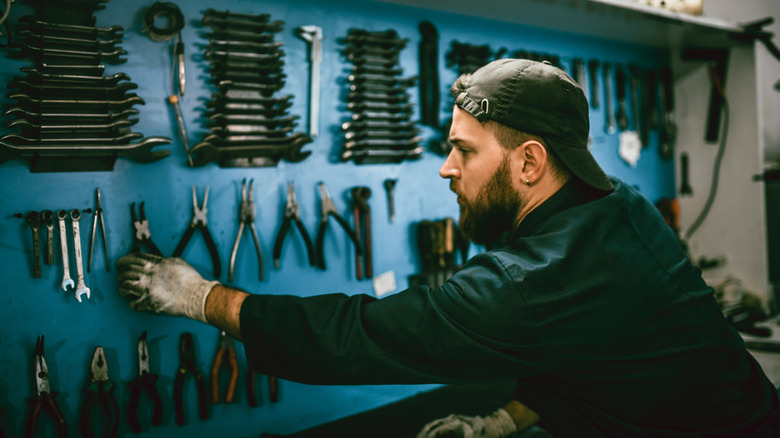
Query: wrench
column 611, row 126
column 81, row 288
column 313, row 34
column 66, row 280
column 35, row 223
column 48, row 220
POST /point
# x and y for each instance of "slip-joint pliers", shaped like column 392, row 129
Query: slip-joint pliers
column 292, row 212
column 199, row 221
column 100, row 391
column 44, row 399
column 329, row 209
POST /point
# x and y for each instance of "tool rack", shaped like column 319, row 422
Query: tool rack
column 69, row 115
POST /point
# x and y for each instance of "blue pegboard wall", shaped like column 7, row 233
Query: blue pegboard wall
column 30, row 307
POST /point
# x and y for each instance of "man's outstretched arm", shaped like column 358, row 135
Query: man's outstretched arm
column 223, row 308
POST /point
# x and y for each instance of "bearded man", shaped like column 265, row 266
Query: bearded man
column 584, row 296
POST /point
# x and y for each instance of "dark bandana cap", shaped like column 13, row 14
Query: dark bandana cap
column 537, row 98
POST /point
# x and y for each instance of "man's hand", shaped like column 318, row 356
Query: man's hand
column 496, row 425
column 158, row 284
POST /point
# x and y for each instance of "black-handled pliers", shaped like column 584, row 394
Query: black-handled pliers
column 199, row 221
column 99, row 391
column 187, row 365
column 44, row 399
column 246, row 216
column 292, row 212
column 141, row 233
column 144, row 381
column 329, row 209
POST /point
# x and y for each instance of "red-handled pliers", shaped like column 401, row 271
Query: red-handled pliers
column 44, row 399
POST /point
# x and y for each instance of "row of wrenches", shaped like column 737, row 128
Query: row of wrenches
column 46, row 219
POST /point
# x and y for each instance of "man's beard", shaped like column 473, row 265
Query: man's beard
column 493, row 212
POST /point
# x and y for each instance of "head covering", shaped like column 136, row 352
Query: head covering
column 537, row 98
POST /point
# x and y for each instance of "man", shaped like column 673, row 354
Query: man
column 584, row 297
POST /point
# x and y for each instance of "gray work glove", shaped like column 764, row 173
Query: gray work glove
column 496, row 425
column 158, row 284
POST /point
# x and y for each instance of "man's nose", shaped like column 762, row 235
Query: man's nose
column 449, row 169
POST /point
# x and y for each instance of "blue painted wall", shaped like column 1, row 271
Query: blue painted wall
column 30, row 307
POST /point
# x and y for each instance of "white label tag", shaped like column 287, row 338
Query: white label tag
column 384, row 284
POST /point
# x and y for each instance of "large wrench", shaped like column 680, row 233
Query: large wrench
column 81, row 288
column 313, row 34
column 66, row 280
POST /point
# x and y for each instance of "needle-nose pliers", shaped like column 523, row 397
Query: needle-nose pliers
column 246, row 216
column 187, row 365
column 329, row 209
column 292, row 212
column 99, row 391
column 144, row 381
column 44, row 399
column 199, row 222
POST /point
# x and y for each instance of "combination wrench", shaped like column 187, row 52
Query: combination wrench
column 35, row 224
column 48, row 220
column 81, row 287
column 66, row 280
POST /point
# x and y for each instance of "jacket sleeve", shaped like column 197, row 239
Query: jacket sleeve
column 418, row 335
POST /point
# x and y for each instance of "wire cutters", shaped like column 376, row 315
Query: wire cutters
column 362, row 213
column 100, row 391
column 199, row 221
column 98, row 215
column 44, row 398
column 187, row 365
column 292, row 212
column 145, row 380
column 329, row 209
column 246, row 216
column 225, row 350
column 141, row 234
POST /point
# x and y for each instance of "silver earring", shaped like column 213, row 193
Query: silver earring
column 528, row 181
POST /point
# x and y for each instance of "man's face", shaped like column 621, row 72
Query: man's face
column 479, row 171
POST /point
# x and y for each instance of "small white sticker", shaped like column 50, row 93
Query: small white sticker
column 630, row 147
column 384, row 284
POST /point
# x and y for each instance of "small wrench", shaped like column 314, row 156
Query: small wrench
column 35, row 223
column 611, row 126
column 48, row 220
column 81, row 288
column 66, row 280
column 389, row 186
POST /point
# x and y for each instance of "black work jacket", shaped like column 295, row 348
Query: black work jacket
column 592, row 306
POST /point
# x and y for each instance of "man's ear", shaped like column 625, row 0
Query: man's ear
column 531, row 158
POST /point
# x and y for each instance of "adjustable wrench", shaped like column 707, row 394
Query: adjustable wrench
column 313, row 34
column 81, row 288
column 66, row 280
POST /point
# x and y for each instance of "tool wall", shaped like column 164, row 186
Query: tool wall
column 163, row 186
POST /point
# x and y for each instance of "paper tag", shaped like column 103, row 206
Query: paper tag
column 384, row 283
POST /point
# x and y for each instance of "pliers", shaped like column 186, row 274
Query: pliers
column 362, row 213
column 100, row 390
column 273, row 388
column 141, row 233
column 329, row 209
column 246, row 216
column 145, row 380
column 292, row 212
column 187, row 365
column 226, row 349
column 199, row 221
column 98, row 214
column 44, row 398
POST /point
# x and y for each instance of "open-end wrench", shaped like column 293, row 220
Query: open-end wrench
column 66, row 280
column 593, row 71
column 313, row 34
column 81, row 287
column 34, row 219
column 622, row 113
column 48, row 220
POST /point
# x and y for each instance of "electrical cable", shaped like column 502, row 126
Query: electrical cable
column 718, row 159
